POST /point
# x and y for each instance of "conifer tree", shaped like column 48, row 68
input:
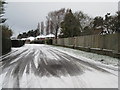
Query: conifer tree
column 70, row 27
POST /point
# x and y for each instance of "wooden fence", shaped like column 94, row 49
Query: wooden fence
column 108, row 42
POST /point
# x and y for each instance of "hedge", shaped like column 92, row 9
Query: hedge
column 49, row 41
column 38, row 42
column 6, row 45
column 17, row 43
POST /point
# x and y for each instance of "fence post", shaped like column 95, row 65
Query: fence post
column 0, row 40
column 74, row 42
column 117, row 48
column 118, row 42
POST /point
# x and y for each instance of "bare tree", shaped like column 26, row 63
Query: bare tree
column 54, row 19
column 84, row 19
column 47, row 26
column 42, row 28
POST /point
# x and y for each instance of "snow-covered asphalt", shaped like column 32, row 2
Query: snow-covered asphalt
column 43, row 66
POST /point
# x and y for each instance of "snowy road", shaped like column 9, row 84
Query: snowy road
column 43, row 66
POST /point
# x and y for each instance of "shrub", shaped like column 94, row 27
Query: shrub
column 6, row 45
column 49, row 41
column 38, row 42
column 18, row 43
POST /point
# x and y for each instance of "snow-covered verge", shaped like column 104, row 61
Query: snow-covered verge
column 109, row 63
column 91, row 56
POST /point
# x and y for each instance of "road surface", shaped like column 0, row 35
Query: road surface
column 43, row 66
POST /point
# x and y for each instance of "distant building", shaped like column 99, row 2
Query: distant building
column 41, row 37
column 97, row 31
column 13, row 38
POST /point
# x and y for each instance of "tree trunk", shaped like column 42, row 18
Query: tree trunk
column 56, row 33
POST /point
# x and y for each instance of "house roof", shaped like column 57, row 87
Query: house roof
column 50, row 35
column 97, row 31
column 30, row 38
column 41, row 36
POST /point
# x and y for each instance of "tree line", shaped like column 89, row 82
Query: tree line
column 30, row 33
column 64, row 23
column 77, row 24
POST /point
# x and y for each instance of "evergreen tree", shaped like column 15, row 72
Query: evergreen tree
column 70, row 27
column 5, row 31
column 98, row 22
column 2, row 2
column 117, row 22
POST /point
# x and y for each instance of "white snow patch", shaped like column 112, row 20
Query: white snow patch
column 89, row 56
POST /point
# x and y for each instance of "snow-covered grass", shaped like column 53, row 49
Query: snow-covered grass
column 91, row 56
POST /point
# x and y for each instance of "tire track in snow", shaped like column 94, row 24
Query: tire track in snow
column 43, row 61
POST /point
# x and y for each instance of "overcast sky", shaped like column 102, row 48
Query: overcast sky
column 24, row 16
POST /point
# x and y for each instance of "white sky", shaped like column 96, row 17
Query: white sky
column 62, row 0
column 23, row 15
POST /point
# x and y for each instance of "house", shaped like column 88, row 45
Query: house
column 40, row 37
column 50, row 36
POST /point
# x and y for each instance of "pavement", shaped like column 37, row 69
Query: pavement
column 42, row 66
